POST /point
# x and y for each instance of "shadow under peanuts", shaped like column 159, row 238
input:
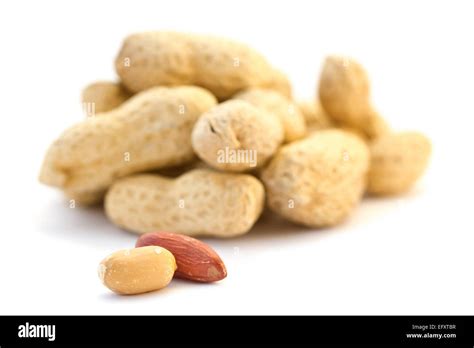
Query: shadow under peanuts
column 374, row 206
column 90, row 226
column 80, row 224
column 270, row 227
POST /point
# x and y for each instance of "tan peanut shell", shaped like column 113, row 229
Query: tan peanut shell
column 315, row 116
column 236, row 136
column 200, row 202
column 276, row 104
column 344, row 91
column 397, row 161
column 319, row 180
column 138, row 270
column 375, row 127
column 279, row 83
column 170, row 58
column 104, row 96
column 152, row 130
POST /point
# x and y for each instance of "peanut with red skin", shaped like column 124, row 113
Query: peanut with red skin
column 195, row 260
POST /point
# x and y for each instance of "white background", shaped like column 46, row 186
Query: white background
column 406, row 255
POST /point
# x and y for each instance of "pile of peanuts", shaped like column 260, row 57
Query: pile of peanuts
column 201, row 133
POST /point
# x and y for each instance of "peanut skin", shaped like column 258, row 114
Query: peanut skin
column 150, row 131
column 319, row 180
column 200, row 202
column 195, row 260
column 222, row 66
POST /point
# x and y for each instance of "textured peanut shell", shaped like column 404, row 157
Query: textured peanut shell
column 200, row 202
column 279, row 83
column 236, row 125
column 397, row 162
column 150, row 131
column 319, row 180
column 281, row 107
column 105, row 96
column 170, row 58
column 138, row 270
column 344, row 91
column 315, row 116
